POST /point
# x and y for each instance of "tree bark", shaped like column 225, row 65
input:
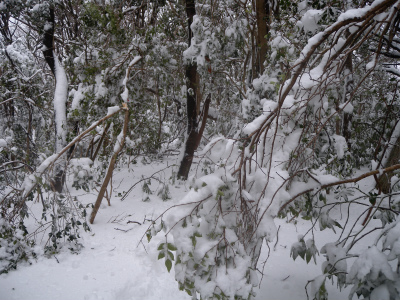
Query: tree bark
column 191, row 84
column 348, row 89
column 262, row 16
column 110, row 169
column 48, row 41
column 384, row 181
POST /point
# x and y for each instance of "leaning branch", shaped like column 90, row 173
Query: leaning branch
column 117, row 149
column 351, row 180
column 51, row 160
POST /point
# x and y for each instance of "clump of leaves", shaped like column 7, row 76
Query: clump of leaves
column 14, row 246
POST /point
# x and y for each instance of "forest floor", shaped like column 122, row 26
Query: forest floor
column 117, row 262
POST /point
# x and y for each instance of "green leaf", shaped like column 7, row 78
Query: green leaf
column 189, row 292
column 160, row 247
column 338, row 225
column 293, row 211
column 372, row 200
column 171, row 255
column 161, row 255
column 168, row 264
column 178, row 260
column 171, row 247
column 322, row 198
column 308, row 256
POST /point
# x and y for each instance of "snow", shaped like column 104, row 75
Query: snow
column 125, row 94
column 380, row 293
column 371, row 264
column 347, row 107
column 60, row 104
column 114, row 264
column 118, row 143
column 3, row 143
column 310, row 20
column 112, row 109
column 340, row 145
column 135, row 60
column 370, row 65
column 78, row 96
column 44, row 165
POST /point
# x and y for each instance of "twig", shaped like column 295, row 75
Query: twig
column 143, row 179
column 277, row 237
column 124, row 230
column 134, row 222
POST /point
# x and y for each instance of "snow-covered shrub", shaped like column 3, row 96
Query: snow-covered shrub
column 14, row 246
column 82, row 173
column 210, row 259
column 62, row 218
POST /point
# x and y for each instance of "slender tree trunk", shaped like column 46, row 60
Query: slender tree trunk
column 349, row 86
column 48, row 41
column 60, row 97
column 262, row 16
column 191, row 84
column 103, row 189
column 7, row 39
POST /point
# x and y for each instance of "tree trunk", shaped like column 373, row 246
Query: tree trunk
column 60, row 97
column 110, row 169
column 262, row 16
column 349, row 87
column 48, row 41
column 384, row 181
column 191, row 84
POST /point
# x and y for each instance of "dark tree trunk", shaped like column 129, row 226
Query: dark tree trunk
column 48, row 41
column 349, row 87
column 262, row 16
column 191, row 84
column 7, row 39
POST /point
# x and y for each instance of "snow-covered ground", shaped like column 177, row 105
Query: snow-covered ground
column 115, row 264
